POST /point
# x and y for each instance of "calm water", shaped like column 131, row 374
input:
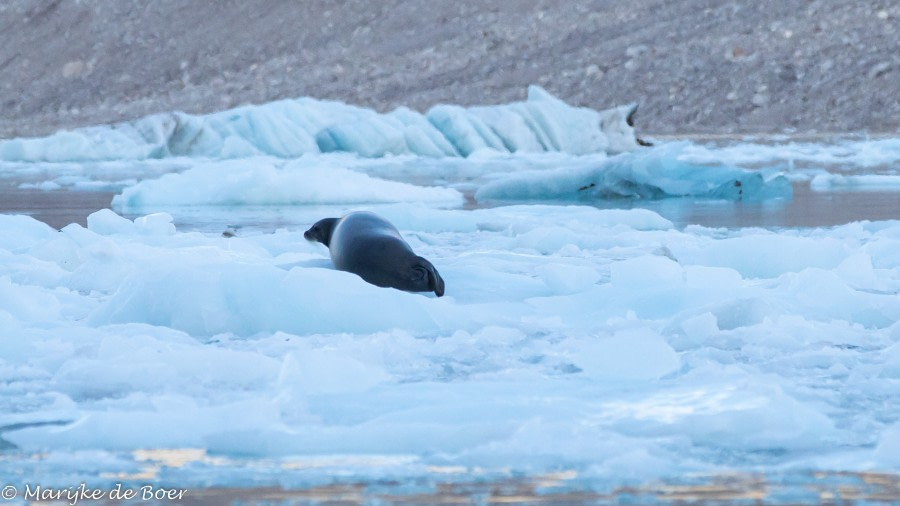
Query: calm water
column 55, row 208
column 807, row 208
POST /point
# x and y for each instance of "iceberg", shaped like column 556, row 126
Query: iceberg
column 294, row 127
column 268, row 181
column 856, row 182
column 651, row 173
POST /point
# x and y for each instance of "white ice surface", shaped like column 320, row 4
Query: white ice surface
column 609, row 342
column 849, row 153
column 267, row 181
column 569, row 337
column 860, row 182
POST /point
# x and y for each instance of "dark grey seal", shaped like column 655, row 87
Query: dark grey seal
column 369, row 246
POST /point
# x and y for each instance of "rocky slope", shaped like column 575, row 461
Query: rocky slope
column 694, row 66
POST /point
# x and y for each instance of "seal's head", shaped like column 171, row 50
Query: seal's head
column 321, row 231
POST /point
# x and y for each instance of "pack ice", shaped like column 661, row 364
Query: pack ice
column 608, row 342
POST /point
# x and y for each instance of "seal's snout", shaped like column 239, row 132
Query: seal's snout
column 321, row 231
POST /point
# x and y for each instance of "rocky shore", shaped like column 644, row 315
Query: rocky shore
column 693, row 66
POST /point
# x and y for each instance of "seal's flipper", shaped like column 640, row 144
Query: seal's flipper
column 431, row 276
column 435, row 281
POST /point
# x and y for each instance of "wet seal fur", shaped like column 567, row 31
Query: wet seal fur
column 369, row 246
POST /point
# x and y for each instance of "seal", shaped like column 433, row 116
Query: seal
column 371, row 247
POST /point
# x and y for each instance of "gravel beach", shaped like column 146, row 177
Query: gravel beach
column 693, row 66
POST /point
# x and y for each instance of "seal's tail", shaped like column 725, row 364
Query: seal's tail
column 435, row 281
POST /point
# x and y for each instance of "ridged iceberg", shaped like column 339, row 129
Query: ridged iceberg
column 294, row 127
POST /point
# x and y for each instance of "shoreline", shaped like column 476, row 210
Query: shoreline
column 692, row 66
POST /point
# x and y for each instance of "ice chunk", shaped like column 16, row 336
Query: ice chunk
column 155, row 224
column 467, row 133
column 133, row 361
column 29, row 304
column 891, row 366
column 646, row 271
column 45, row 186
column 627, row 355
column 863, row 182
column 771, row 254
column 727, row 416
column 541, row 123
column 861, row 153
column 178, row 422
column 91, row 143
column 20, row 232
column 514, row 127
column 244, row 299
column 317, row 371
column 371, row 136
column 652, row 173
column 106, row 222
column 888, row 449
column 563, row 279
column 422, row 138
column 291, row 128
column 265, row 182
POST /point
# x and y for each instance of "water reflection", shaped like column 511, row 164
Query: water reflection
column 807, row 208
